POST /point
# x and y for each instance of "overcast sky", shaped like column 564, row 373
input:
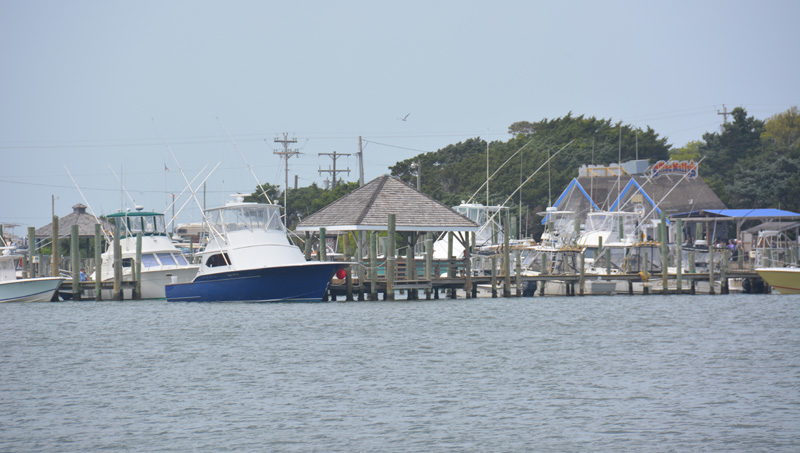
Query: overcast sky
column 106, row 87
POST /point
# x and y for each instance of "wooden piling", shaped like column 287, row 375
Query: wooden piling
column 428, row 262
column 117, row 288
column 322, row 255
column 723, row 271
column 137, row 268
column 468, row 283
column 506, row 262
column 711, row 269
column 679, row 256
column 98, row 261
column 373, row 265
column 307, row 246
column 518, row 272
column 31, row 252
column 75, row 262
column 390, row 258
column 581, row 273
column 664, row 250
column 54, row 258
column 494, row 276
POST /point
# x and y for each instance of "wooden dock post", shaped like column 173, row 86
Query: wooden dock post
column 468, row 283
column 307, row 246
column 98, row 262
column 506, row 262
column 723, row 271
column 31, row 252
column 428, row 263
column 373, row 265
column 322, row 255
column 494, row 276
column 582, row 273
column 137, row 269
column 54, row 255
column 518, row 272
column 75, row 262
column 664, row 249
column 117, row 289
column 679, row 256
column 711, row 269
column 390, row 258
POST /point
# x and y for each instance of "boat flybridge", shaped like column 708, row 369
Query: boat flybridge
column 488, row 235
column 162, row 262
column 248, row 257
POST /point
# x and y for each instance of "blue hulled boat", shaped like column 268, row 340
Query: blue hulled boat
column 249, row 258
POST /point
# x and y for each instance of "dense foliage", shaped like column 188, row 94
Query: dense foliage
column 749, row 163
column 302, row 201
column 753, row 163
column 456, row 172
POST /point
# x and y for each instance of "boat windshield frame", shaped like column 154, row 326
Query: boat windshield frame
column 147, row 223
column 245, row 217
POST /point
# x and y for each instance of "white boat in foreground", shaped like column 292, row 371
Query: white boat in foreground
column 41, row 289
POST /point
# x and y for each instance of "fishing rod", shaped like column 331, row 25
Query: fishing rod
column 246, row 163
column 199, row 185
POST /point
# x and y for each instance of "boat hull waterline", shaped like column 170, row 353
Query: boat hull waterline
column 306, row 282
column 30, row 289
column 785, row 280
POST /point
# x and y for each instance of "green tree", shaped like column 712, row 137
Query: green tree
column 689, row 151
column 782, row 132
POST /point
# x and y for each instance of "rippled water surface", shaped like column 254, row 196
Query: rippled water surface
column 657, row 373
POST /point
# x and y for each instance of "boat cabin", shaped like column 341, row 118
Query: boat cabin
column 131, row 223
column 242, row 216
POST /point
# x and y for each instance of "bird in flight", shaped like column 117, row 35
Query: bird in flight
column 405, row 117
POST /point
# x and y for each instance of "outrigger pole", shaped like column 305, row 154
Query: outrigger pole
column 105, row 235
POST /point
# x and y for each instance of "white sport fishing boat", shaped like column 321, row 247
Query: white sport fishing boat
column 39, row 289
column 162, row 262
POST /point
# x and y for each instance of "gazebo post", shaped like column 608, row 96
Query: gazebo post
column 428, row 262
column 390, row 258
column 411, row 266
column 373, row 265
column 467, row 265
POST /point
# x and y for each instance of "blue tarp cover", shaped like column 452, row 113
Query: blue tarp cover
column 768, row 212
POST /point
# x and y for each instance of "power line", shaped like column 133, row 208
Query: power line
column 334, row 155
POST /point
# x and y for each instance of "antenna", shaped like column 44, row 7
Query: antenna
column 334, row 155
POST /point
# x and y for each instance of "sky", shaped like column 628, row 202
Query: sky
column 128, row 97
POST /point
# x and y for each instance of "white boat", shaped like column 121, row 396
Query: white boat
column 249, row 258
column 488, row 235
column 162, row 262
column 785, row 280
column 40, row 289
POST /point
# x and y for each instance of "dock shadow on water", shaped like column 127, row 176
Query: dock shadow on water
column 615, row 373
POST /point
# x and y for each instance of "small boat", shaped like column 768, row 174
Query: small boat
column 39, row 289
column 248, row 257
column 162, row 262
column 785, row 280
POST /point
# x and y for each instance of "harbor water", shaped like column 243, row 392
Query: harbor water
column 615, row 373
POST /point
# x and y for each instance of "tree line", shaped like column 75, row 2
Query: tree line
column 749, row 163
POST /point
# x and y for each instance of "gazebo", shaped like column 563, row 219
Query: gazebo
column 366, row 212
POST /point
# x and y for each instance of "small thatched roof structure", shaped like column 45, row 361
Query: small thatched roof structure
column 368, row 207
column 80, row 217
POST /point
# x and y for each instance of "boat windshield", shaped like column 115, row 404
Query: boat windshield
column 255, row 217
column 146, row 224
column 476, row 214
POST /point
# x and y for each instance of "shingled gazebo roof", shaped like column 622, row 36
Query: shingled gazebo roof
column 79, row 216
column 368, row 207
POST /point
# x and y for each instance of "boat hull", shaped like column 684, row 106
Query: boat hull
column 785, row 280
column 306, row 282
column 30, row 289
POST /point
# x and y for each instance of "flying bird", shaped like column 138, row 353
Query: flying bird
column 405, row 117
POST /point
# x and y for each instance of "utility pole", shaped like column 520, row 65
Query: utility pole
column 724, row 114
column 285, row 155
column 334, row 155
column 360, row 162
